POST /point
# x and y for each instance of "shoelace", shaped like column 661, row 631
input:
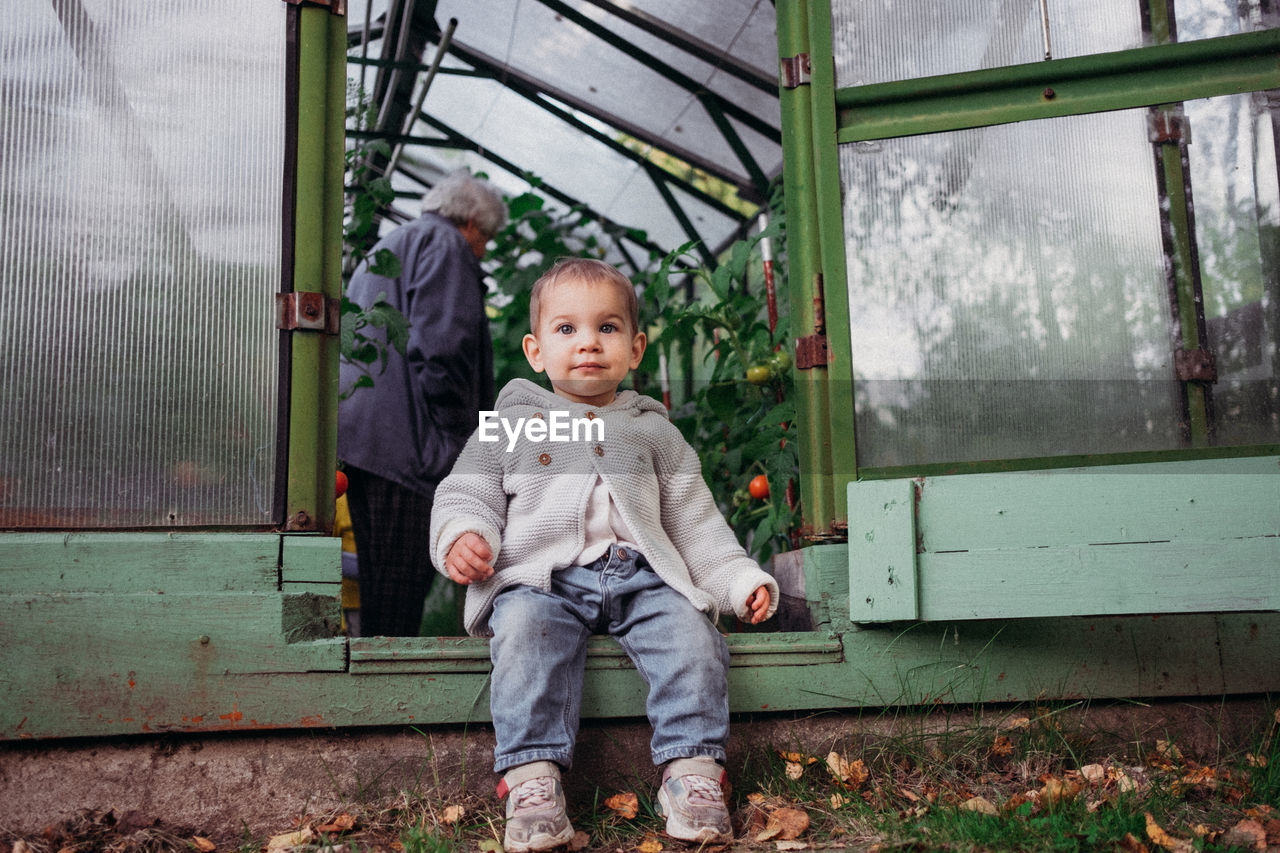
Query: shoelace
column 703, row 790
column 534, row 793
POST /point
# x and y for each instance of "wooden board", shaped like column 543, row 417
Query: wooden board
column 1124, row 539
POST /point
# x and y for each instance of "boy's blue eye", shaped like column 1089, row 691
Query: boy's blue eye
column 608, row 328
column 565, row 329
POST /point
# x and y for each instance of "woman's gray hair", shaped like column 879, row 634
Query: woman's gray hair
column 462, row 198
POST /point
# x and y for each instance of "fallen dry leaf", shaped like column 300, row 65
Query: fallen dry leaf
column 452, row 814
column 851, row 773
column 793, row 845
column 21, row 846
column 203, row 844
column 1016, row 723
column 286, row 840
column 1163, row 839
column 1094, row 772
column 1132, row 844
column 1168, row 749
column 785, row 824
column 340, row 823
column 1248, row 834
column 493, row 845
column 650, row 845
column 1058, row 791
column 981, row 805
column 580, row 841
column 625, row 805
column 838, row 800
column 794, row 770
column 1002, row 745
column 1256, row 760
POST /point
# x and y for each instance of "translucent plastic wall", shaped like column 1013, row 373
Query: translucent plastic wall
column 1008, row 286
column 141, row 156
column 1007, row 293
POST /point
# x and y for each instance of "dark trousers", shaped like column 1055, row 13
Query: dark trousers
column 392, row 526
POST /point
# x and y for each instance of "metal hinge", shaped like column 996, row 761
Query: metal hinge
column 812, row 350
column 336, row 7
column 1195, row 365
column 306, row 310
column 794, row 70
column 1166, row 126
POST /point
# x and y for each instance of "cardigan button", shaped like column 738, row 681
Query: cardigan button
column 591, row 416
column 538, row 415
column 599, row 450
column 545, row 459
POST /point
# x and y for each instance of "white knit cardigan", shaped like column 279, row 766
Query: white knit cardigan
column 530, row 504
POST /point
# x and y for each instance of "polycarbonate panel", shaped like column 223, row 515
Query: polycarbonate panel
column 1237, row 216
column 1007, row 293
column 518, row 131
column 141, row 151
column 567, row 58
column 880, row 40
column 1202, row 19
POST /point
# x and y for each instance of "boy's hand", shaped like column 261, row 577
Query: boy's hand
column 758, row 604
column 468, row 559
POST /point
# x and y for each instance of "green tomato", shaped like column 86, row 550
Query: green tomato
column 759, row 374
column 780, row 361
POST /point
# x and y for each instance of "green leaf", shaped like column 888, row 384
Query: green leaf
column 385, row 263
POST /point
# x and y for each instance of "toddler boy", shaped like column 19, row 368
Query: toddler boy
column 580, row 511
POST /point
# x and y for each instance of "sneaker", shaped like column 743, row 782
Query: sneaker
column 693, row 802
column 535, row 808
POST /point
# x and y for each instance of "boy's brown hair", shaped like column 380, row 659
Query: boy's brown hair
column 584, row 269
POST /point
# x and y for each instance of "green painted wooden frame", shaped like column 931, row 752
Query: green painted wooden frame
column 818, row 118
column 1159, row 538
column 317, row 262
column 1146, row 76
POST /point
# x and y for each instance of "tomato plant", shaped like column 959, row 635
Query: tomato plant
column 730, row 374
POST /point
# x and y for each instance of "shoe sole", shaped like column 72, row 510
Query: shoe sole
column 540, row 842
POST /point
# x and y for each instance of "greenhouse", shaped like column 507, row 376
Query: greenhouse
column 987, row 291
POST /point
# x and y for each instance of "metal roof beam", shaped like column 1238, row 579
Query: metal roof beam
column 708, row 53
column 530, row 87
column 534, row 92
column 730, row 134
column 658, row 177
column 612, row 228
column 676, row 76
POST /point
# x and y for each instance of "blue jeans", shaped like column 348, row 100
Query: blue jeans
column 539, row 649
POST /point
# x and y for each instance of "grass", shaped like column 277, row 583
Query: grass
column 1029, row 779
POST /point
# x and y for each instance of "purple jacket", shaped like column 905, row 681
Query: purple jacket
column 411, row 425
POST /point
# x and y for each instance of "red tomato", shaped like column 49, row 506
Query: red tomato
column 759, row 487
column 341, row 488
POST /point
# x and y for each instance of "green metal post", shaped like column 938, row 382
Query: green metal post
column 1175, row 179
column 826, row 156
column 816, row 492
column 317, row 266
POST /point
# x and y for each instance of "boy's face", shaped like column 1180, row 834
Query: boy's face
column 584, row 341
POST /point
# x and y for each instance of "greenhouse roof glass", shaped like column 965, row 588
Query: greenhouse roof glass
column 605, row 104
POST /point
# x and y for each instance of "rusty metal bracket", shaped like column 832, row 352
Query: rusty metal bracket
column 306, row 310
column 794, row 71
column 1195, row 365
column 335, row 7
column 811, row 352
column 1165, row 126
